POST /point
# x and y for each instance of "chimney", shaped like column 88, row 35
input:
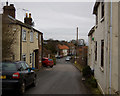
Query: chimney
column 28, row 20
column 9, row 10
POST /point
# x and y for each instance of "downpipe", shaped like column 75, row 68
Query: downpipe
column 110, row 46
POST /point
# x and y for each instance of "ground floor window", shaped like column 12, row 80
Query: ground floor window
column 30, row 58
column 24, row 57
column 102, row 53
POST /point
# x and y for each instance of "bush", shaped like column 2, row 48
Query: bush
column 92, row 81
column 87, row 72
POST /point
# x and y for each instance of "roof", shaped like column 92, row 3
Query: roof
column 15, row 21
column 63, row 47
column 91, row 31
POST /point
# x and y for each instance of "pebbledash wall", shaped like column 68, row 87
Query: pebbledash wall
column 106, row 75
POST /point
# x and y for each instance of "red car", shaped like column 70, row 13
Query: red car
column 47, row 62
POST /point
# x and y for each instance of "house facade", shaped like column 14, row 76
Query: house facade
column 63, row 50
column 103, row 54
column 20, row 41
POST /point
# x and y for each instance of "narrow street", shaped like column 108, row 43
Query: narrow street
column 63, row 78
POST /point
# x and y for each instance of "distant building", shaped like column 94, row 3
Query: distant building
column 71, row 48
column 20, row 41
column 104, row 44
column 63, row 50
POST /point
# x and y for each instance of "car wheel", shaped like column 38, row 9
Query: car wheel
column 51, row 66
column 22, row 88
column 34, row 82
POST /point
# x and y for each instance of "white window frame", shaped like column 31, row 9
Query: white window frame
column 30, row 58
column 37, row 35
column 24, row 35
column 40, row 39
column 31, row 36
column 24, row 56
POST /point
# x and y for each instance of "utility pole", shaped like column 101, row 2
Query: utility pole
column 76, row 46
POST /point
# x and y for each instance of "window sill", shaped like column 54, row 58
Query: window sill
column 31, row 42
column 24, row 40
column 101, row 68
column 102, row 19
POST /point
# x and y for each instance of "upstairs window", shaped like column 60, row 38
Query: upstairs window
column 37, row 35
column 96, row 19
column 23, row 35
column 31, row 36
column 40, row 39
column 102, row 10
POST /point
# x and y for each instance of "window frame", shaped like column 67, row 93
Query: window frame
column 102, row 53
column 31, row 36
column 24, row 33
column 102, row 10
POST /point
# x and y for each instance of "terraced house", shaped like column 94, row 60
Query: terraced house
column 103, row 50
column 20, row 41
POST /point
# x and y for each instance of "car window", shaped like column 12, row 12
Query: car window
column 24, row 65
column 27, row 65
column 9, row 67
column 50, row 59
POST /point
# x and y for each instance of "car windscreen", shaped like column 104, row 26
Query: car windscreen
column 50, row 59
column 9, row 67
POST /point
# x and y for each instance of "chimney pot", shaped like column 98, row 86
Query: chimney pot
column 26, row 15
column 29, row 15
column 12, row 5
column 7, row 3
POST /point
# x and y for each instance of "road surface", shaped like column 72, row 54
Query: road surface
column 63, row 78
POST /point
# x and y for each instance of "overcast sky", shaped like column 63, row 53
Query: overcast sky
column 59, row 20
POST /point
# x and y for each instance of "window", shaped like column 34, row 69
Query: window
column 40, row 39
column 102, row 9
column 102, row 53
column 96, row 51
column 24, row 57
column 31, row 36
column 96, row 19
column 30, row 58
column 23, row 35
column 37, row 35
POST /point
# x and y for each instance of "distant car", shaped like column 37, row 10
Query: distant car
column 47, row 62
column 58, row 57
column 17, row 76
column 67, row 58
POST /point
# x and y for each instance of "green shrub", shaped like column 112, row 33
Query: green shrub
column 87, row 72
column 92, row 81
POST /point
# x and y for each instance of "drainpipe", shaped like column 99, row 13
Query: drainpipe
column 110, row 45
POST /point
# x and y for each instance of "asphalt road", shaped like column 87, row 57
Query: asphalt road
column 63, row 78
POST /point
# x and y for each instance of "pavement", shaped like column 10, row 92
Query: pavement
column 63, row 78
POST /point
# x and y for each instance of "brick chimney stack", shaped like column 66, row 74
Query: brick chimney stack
column 28, row 20
column 9, row 10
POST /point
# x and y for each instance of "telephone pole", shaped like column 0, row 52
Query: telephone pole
column 76, row 45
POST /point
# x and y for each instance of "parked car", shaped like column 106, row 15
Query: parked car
column 67, row 58
column 58, row 57
column 47, row 62
column 17, row 76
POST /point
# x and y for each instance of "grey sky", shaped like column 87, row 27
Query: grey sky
column 58, row 20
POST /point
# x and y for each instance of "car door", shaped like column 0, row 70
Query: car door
column 31, row 74
column 26, row 73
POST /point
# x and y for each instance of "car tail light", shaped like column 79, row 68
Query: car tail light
column 16, row 75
